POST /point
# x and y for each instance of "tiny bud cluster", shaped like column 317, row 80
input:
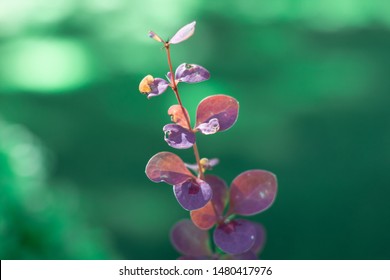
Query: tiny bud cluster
column 212, row 204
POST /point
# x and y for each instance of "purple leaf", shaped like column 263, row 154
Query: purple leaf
column 189, row 240
column 169, row 77
column 178, row 137
column 206, row 217
column 193, row 193
column 191, row 73
column 260, row 238
column 184, row 33
column 255, row 249
column 221, row 107
column 179, row 115
column 152, row 86
column 235, row 237
column 167, row 167
column 252, row 192
column 157, row 87
column 220, row 189
column 211, row 163
column 210, row 127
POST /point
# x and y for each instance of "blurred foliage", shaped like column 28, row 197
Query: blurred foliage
column 75, row 134
column 36, row 221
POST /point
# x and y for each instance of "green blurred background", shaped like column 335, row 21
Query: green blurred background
column 312, row 79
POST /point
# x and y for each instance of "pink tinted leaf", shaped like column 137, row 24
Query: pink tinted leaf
column 167, row 167
column 252, row 192
column 178, row 137
column 190, row 240
column 179, row 115
column 184, row 33
column 235, row 237
column 191, row 73
column 221, row 107
column 155, row 36
column 193, row 193
column 206, row 217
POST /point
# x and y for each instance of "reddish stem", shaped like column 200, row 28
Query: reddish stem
column 176, row 91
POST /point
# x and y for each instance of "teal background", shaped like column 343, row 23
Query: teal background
column 312, row 79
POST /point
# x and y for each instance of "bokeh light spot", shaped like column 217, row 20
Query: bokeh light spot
column 45, row 65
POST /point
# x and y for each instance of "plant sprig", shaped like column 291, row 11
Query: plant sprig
column 210, row 202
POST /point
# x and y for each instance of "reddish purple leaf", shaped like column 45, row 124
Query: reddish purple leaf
column 178, row 137
column 221, row 107
column 252, row 192
column 191, row 73
column 235, row 237
column 206, row 217
column 220, row 193
column 184, row 33
column 179, row 115
column 190, row 240
column 193, row 193
column 167, row 167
